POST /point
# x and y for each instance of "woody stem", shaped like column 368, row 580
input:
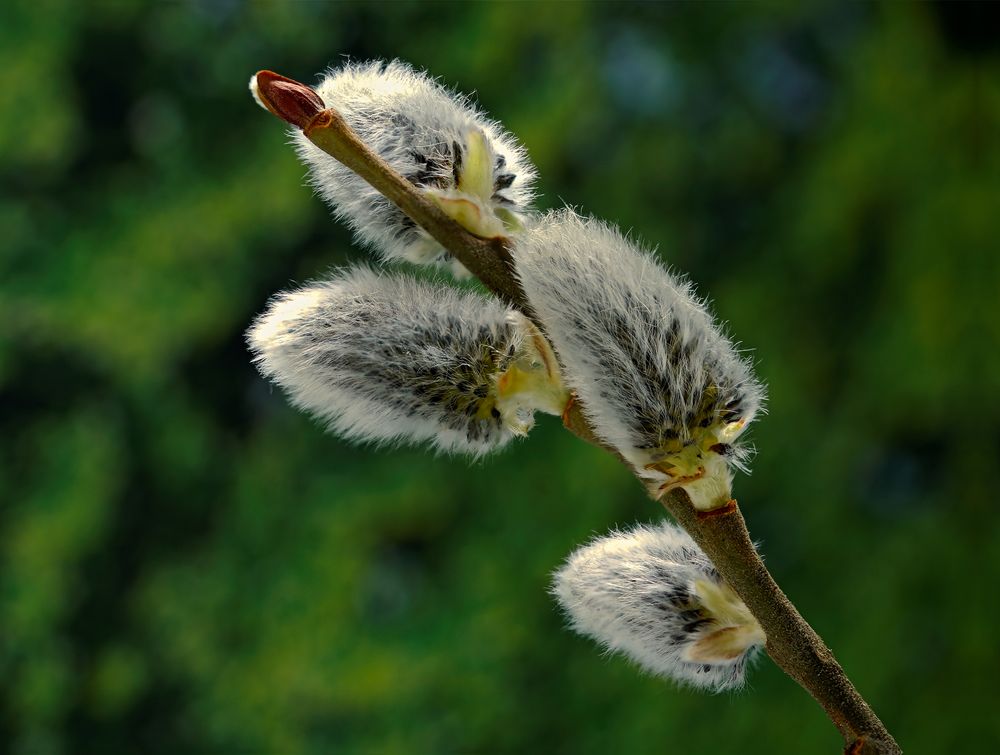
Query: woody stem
column 791, row 642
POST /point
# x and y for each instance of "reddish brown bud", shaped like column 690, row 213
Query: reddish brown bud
column 288, row 99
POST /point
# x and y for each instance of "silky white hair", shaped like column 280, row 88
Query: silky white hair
column 388, row 358
column 653, row 595
column 421, row 129
column 639, row 348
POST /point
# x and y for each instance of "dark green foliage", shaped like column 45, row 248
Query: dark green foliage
column 189, row 565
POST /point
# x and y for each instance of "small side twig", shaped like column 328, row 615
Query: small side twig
column 791, row 642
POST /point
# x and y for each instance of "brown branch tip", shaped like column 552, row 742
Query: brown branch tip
column 290, row 100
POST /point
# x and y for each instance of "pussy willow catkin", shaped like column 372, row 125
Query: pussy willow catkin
column 653, row 595
column 467, row 163
column 388, row 358
column 660, row 381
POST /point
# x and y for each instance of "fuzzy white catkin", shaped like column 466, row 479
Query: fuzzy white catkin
column 650, row 366
column 653, row 595
column 388, row 359
column 425, row 132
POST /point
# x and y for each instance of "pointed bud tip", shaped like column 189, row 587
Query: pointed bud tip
column 288, row 99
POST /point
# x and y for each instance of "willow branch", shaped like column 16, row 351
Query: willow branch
column 722, row 534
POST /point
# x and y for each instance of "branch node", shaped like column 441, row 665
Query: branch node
column 729, row 508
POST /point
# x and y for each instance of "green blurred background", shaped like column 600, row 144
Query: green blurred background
column 189, row 565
